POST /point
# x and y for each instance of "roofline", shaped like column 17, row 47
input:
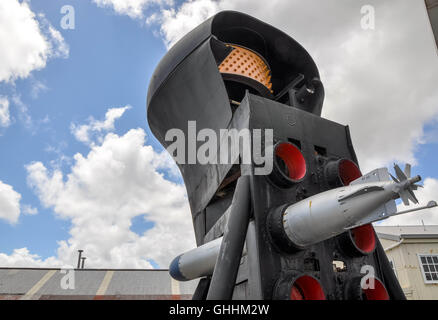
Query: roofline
column 86, row 269
column 406, row 236
column 388, row 236
column 420, row 236
column 407, row 225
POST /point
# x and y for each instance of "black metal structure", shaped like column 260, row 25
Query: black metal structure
column 188, row 86
column 432, row 10
column 227, row 265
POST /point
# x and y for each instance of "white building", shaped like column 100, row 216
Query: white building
column 413, row 252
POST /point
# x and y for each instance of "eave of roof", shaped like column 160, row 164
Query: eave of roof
column 406, row 236
column 85, row 269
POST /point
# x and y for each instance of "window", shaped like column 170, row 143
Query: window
column 429, row 267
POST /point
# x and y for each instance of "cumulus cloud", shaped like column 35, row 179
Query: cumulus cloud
column 27, row 209
column 163, row 161
column 23, row 111
column 367, row 90
column 27, row 40
column 22, row 257
column 97, row 128
column 61, row 48
column 177, row 22
column 9, row 203
column 428, row 216
column 132, row 8
column 37, row 88
column 5, row 119
column 105, row 190
column 118, row 180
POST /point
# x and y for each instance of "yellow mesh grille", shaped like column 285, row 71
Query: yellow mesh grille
column 247, row 63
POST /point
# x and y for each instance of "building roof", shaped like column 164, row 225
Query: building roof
column 397, row 233
column 89, row 284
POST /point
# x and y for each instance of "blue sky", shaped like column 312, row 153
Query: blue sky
column 111, row 57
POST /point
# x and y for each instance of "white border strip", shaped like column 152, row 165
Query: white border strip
column 105, row 283
column 29, row 295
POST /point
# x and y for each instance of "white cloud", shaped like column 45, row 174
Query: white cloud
column 5, row 119
column 105, row 190
column 115, row 182
column 132, row 8
column 23, row 111
column 62, row 49
column 163, row 161
column 22, row 257
column 59, row 152
column 82, row 132
column 37, row 88
column 27, row 40
column 177, row 22
column 429, row 216
column 9, row 203
column 27, row 209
